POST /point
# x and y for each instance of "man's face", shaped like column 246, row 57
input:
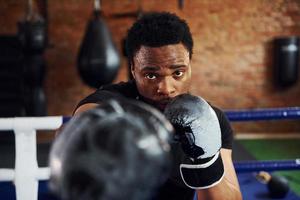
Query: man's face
column 161, row 73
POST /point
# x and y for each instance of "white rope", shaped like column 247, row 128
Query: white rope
column 7, row 174
column 27, row 173
column 36, row 123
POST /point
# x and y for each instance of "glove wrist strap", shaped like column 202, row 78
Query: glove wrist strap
column 204, row 175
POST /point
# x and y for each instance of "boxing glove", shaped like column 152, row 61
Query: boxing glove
column 198, row 131
column 119, row 150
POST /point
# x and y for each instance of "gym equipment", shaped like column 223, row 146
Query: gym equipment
column 34, row 70
column 270, row 165
column 32, row 31
column 286, row 60
column 35, row 101
column 278, row 186
column 263, row 114
column 98, row 60
column 198, row 132
column 92, row 153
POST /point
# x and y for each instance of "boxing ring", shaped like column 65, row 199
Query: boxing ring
column 27, row 174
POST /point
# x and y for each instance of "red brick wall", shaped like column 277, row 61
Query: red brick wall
column 232, row 62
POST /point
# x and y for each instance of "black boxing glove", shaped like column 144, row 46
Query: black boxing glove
column 198, row 131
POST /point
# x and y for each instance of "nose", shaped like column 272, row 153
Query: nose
column 166, row 87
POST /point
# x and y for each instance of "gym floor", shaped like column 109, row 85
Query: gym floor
column 276, row 149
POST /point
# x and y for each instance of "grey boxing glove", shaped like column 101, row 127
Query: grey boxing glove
column 198, row 131
column 119, row 150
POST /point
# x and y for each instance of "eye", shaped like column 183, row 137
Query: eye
column 178, row 73
column 151, row 76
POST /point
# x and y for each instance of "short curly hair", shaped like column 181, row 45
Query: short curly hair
column 155, row 29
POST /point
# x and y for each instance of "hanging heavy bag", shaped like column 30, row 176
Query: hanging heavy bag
column 98, row 60
column 34, row 70
column 35, row 101
column 32, row 31
column 286, row 60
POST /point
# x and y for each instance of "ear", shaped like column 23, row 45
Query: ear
column 132, row 68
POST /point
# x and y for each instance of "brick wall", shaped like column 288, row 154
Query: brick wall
column 232, row 62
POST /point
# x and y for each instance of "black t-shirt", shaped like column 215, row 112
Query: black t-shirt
column 174, row 188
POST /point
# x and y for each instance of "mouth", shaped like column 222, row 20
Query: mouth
column 162, row 104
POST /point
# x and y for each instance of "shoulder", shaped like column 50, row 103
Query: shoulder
column 122, row 89
column 127, row 89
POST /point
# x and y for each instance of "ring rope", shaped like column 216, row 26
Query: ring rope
column 263, row 114
column 267, row 165
column 244, row 115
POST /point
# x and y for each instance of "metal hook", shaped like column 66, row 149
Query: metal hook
column 97, row 5
column 29, row 13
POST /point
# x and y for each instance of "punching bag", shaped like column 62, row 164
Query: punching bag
column 98, row 60
column 34, row 70
column 35, row 101
column 286, row 60
column 32, row 31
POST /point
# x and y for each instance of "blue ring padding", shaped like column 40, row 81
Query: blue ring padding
column 269, row 165
column 255, row 114
column 65, row 119
column 263, row 114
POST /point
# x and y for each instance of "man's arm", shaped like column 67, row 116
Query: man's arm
column 94, row 99
column 85, row 107
column 228, row 188
column 80, row 109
